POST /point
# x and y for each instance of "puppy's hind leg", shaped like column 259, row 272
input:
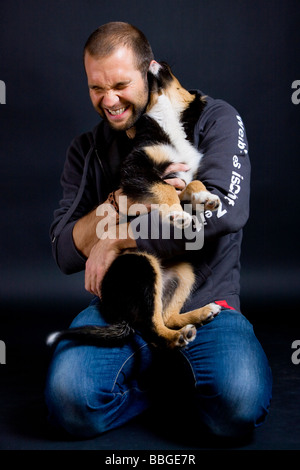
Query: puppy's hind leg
column 160, row 334
column 184, row 274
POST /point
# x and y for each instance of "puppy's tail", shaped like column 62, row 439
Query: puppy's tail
column 110, row 335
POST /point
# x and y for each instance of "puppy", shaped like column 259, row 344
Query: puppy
column 140, row 292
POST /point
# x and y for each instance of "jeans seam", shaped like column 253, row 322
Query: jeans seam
column 190, row 364
column 128, row 391
column 119, row 371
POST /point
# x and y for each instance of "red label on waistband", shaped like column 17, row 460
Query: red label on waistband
column 224, row 304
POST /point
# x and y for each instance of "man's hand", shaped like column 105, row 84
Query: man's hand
column 178, row 183
column 101, row 256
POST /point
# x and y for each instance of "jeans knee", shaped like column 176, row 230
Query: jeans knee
column 68, row 405
column 236, row 422
column 237, row 409
column 67, row 410
column 82, row 408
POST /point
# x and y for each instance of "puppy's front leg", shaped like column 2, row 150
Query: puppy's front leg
column 196, row 193
column 170, row 208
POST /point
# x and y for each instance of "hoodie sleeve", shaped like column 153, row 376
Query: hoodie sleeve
column 225, row 170
column 75, row 203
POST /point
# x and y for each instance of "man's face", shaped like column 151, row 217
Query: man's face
column 118, row 90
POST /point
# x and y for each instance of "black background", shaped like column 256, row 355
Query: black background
column 245, row 52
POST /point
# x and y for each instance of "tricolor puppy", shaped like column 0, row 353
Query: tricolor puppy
column 140, row 292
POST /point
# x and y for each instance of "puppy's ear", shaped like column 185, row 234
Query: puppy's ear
column 153, row 76
column 154, row 68
column 159, row 76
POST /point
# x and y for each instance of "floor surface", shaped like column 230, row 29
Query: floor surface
column 23, row 423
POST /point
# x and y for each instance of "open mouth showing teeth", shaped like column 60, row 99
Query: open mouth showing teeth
column 116, row 112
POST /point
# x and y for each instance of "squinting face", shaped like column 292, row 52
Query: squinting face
column 118, row 91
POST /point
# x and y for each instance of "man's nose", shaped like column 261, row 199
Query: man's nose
column 110, row 99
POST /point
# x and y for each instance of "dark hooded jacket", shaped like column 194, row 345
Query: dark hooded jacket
column 92, row 170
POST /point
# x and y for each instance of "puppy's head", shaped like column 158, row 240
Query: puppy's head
column 159, row 76
column 162, row 81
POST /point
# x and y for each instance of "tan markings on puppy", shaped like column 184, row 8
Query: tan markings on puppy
column 158, row 323
column 172, row 317
column 152, row 100
column 196, row 317
column 179, row 96
column 170, row 208
column 157, row 153
column 173, row 338
column 158, row 287
column 166, row 194
column 185, row 277
column 193, row 187
column 197, row 193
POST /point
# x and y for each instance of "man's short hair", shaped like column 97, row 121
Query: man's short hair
column 110, row 36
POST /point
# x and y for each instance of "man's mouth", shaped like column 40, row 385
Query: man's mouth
column 117, row 112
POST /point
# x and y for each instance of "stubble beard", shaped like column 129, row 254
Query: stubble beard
column 137, row 111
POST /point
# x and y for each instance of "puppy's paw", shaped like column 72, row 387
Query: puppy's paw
column 186, row 335
column 211, row 201
column 180, row 219
column 211, row 311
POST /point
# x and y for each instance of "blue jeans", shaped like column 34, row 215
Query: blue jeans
column 224, row 373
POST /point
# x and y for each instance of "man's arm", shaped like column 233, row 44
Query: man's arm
column 101, row 247
column 71, row 206
column 85, row 230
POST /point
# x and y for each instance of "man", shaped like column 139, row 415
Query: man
column 224, row 372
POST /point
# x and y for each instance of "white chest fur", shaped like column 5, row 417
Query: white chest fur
column 181, row 150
